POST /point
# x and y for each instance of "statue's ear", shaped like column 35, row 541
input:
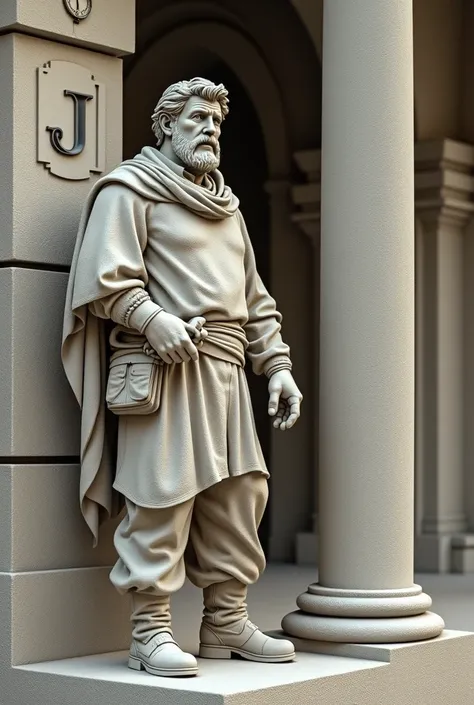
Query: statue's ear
column 165, row 122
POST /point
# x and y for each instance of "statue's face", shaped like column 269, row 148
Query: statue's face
column 195, row 135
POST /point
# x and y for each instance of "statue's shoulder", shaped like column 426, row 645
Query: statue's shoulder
column 119, row 183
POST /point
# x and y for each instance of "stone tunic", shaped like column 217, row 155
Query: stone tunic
column 204, row 430
column 147, row 227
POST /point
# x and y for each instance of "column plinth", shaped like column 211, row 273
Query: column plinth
column 371, row 616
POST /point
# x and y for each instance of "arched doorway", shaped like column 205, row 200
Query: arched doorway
column 245, row 169
column 269, row 99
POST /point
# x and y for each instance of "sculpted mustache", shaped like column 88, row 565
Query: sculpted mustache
column 212, row 142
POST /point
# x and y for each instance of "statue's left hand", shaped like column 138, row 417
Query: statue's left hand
column 285, row 399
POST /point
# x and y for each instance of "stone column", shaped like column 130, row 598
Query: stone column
column 365, row 591
column 443, row 191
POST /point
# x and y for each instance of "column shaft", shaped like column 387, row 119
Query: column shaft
column 366, row 504
column 367, row 297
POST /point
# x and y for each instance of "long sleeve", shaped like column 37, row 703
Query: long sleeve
column 112, row 274
column 266, row 350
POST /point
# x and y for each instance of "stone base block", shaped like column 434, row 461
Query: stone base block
column 55, row 614
column 41, row 526
column 438, row 672
column 40, row 212
column 40, row 415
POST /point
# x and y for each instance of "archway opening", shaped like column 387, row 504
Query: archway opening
column 243, row 164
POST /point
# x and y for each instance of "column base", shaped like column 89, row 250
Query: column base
column 363, row 616
column 393, row 630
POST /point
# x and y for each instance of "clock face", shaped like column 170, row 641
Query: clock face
column 79, row 9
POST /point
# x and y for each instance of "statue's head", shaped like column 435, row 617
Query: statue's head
column 187, row 123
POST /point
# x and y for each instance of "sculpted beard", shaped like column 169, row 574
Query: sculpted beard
column 202, row 162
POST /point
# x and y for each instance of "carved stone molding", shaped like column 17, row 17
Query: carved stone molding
column 444, row 182
column 444, row 185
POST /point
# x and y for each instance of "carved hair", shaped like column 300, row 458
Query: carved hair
column 177, row 95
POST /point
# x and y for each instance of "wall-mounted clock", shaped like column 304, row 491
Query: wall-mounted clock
column 79, row 9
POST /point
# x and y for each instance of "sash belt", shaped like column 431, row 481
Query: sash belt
column 225, row 341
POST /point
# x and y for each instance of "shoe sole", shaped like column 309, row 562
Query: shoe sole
column 138, row 665
column 226, row 652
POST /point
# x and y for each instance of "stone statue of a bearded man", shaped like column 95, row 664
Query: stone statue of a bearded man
column 163, row 253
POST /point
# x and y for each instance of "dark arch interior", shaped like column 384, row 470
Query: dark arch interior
column 244, row 166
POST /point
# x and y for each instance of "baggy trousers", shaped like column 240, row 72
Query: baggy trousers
column 212, row 538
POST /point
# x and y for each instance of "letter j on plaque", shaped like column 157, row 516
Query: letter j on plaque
column 71, row 120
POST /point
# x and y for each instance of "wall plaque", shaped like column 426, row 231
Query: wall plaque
column 71, row 120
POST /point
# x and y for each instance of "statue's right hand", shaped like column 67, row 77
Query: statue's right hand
column 168, row 335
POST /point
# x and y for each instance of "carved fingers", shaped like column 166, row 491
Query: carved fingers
column 284, row 401
column 196, row 330
column 168, row 335
column 288, row 413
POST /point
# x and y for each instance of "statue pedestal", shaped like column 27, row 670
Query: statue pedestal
column 438, row 671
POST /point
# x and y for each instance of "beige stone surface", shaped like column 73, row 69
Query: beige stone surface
column 367, row 298
column 429, row 673
column 42, row 527
column 62, row 614
column 110, row 27
column 40, row 212
column 367, row 350
column 40, row 416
